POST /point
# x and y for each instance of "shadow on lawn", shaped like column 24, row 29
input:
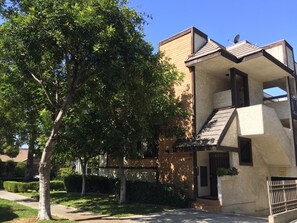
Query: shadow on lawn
column 6, row 213
column 104, row 205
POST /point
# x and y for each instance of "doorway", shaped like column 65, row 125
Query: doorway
column 216, row 161
column 240, row 89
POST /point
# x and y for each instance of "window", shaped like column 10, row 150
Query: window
column 245, row 151
column 148, row 148
column 203, row 176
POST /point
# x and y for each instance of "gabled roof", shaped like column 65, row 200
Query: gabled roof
column 21, row 157
column 212, row 133
column 243, row 49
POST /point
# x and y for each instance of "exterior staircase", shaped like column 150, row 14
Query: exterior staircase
column 204, row 204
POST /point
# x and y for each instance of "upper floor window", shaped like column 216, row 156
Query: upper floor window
column 148, row 149
column 245, row 151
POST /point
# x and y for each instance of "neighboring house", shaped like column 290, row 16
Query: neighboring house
column 235, row 123
column 21, row 157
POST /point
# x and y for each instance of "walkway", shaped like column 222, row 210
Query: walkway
column 174, row 216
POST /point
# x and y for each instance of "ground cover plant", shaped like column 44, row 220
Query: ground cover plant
column 13, row 212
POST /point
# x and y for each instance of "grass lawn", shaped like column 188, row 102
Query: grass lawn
column 15, row 213
column 101, row 204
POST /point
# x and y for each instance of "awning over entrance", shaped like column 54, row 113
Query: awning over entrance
column 211, row 134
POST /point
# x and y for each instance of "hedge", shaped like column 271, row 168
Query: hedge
column 94, row 184
column 14, row 186
column 57, row 185
column 143, row 192
column 146, row 192
column 11, row 186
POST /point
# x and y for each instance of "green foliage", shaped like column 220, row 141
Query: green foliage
column 232, row 171
column 14, row 186
column 57, row 185
column 33, row 186
column 10, row 168
column 10, row 211
column 20, row 169
column 143, row 192
column 94, row 184
column 146, row 192
column 65, row 171
column 11, row 186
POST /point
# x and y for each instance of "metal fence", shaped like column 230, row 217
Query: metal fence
column 282, row 195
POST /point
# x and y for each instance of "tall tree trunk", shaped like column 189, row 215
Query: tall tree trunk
column 123, row 182
column 83, row 183
column 44, row 212
column 29, row 173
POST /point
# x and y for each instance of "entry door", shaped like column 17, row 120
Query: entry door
column 216, row 161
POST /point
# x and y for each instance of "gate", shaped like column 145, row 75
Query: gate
column 282, row 195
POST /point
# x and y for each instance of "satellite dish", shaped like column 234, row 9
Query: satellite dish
column 236, row 38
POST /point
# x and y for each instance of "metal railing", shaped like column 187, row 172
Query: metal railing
column 282, row 195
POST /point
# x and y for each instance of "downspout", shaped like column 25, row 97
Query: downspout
column 194, row 153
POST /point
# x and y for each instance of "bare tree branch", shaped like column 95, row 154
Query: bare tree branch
column 44, row 89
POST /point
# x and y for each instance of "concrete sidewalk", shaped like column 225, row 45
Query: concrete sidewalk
column 172, row 216
column 63, row 211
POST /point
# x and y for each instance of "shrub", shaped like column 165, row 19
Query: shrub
column 94, row 184
column 10, row 168
column 146, row 192
column 22, row 187
column 64, row 172
column 57, row 185
column 1, row 184
column 232, row 171
column 11, row 186
column 33, row 186
column 20, row 169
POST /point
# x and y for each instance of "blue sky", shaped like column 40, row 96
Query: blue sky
column 260, row 22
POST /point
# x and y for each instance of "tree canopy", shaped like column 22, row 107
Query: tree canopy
column 92, row 46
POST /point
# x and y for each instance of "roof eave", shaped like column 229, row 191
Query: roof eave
column 220, row 52
column 271, row 58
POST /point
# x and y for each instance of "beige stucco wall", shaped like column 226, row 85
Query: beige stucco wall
column 246, row 192
column 148, row 175
column 222, row 99
column 203, row 160
column 255, row 91
column 282, row 108
column 277, row 52
column 231, row 137
column 206, row 86
column 250, row 120
column 260, row 121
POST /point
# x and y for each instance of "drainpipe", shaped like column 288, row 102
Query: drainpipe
column 194, row 153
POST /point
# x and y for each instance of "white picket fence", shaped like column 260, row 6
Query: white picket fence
column 282, row 195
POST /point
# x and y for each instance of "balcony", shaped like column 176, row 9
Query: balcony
column 262, row 124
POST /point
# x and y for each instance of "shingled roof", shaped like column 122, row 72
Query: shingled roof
column 243, row 49
column 239, row 50
column 21, row 157
column 212, row 133
column 210, row 47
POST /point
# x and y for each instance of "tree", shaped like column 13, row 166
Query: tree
column 141, row 108
column 21, row 114
column 62, row 45
column 82, row 134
